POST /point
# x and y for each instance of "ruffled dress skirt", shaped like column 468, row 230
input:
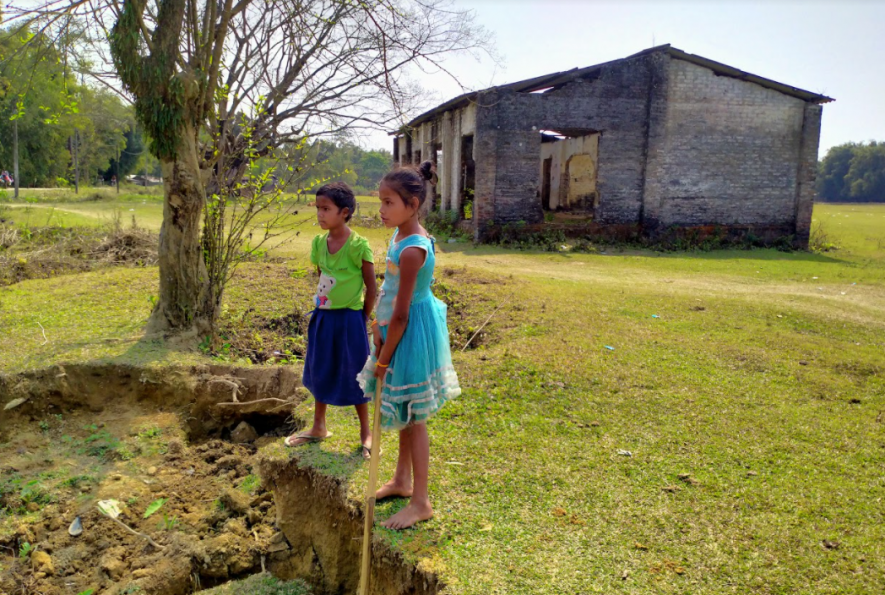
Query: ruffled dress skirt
column 420, row 378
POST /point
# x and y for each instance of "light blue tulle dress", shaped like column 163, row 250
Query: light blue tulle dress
column 420, row 377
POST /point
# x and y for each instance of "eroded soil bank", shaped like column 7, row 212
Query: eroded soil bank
column 199, row 440
column 324, row 529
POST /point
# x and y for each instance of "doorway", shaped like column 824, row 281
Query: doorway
column 468, row 177
column 546, row 176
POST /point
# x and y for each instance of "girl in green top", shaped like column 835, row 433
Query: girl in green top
column 337, row 340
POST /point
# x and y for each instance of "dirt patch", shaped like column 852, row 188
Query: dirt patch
column 471, row 298
column 275, row 336
column 78, row 435
column 262, row 339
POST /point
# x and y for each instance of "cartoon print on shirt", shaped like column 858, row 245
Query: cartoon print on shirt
column 323, row 288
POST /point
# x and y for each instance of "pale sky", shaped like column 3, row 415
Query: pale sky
column 833, row 47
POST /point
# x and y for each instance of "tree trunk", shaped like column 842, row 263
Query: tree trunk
column 184, row 302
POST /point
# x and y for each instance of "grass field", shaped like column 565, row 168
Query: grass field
column 748, row 388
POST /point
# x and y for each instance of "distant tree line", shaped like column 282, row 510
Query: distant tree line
column 853, row 172
column 67, row 132
column 344, row 161
column 70, row 133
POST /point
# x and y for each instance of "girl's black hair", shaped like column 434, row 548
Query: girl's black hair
column 408, row 181
column 340, row 194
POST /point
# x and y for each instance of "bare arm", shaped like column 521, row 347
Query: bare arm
column 371, row 288
column 411, row 261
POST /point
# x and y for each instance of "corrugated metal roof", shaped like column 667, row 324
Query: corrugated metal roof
column 557, row 79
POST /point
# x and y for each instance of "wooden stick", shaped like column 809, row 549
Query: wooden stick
column 479, row 330
column 370, row 492
column 134, row 532
column 267, row 400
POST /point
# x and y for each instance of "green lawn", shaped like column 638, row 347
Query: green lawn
column 747, row 386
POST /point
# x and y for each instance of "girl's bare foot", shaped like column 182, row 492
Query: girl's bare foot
column 392, row 489
column 413, row 513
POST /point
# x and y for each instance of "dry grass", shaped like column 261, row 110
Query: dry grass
column 40, row 252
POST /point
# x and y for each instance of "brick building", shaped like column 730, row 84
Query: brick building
column 658, row 140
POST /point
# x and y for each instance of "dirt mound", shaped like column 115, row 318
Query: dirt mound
column 183, row 455
column 134, row 246
column 215, row 522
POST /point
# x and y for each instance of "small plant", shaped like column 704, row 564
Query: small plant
column 442, row 224
column 149, row 432
column 168, row 523
column 154, row 507
column 86, row 592
column 77, row 480
column 127, row 453
column 34, row 492
column 819, row 240
column 99, row 442
column 25, row 550
column 250, row 484
column 218, row 506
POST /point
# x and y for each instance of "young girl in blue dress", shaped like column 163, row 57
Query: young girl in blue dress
column 337, row 341
column 411, row 338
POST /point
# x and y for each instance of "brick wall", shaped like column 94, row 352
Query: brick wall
column 727, row 152
column 807, row 173
column 614, row 103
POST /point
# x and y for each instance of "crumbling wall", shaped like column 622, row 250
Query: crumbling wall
column 731, row 153
column 614, row 102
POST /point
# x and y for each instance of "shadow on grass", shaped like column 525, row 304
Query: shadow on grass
column 769, row 254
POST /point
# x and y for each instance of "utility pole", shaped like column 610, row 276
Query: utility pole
column 76, row 142
column 117, row 167
column 15, row 157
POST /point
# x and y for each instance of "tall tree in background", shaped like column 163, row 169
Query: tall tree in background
column 291, row 69
column 866, row 176
column 36, row 106
column 853, row 172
